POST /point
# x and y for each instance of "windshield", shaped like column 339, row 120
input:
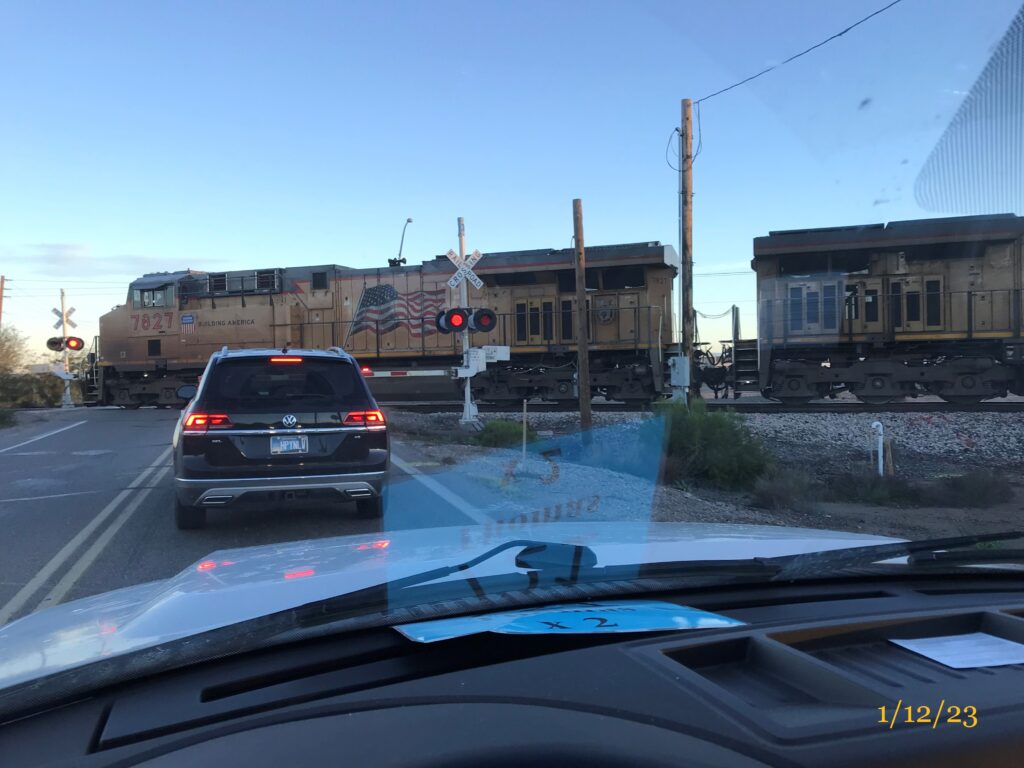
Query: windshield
column 296, row 300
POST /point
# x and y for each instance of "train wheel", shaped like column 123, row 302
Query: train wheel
column 132, row 406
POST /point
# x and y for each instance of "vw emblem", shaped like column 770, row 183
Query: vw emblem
column 289, row 421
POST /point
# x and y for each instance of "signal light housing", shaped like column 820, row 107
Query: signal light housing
column 55, row 344
column 483, row 320
column 453, row 320
column 74, row 343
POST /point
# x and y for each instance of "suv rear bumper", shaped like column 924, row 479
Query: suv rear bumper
column 219, row 492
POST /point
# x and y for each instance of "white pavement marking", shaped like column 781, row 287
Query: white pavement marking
column 40, row 437
column 60, row 591
column 454, row 499
column 51, row 496
column 18, row 601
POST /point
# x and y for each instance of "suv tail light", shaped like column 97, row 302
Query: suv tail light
column 364, row 419
column 200, row 422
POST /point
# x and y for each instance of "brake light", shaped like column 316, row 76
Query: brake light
column 364, row 418
column 286, row 359
column 366, row 370
column 200, row 422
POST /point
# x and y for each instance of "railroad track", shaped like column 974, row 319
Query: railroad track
column 997, row 406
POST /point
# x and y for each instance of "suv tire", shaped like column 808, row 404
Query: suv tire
column 187, row 518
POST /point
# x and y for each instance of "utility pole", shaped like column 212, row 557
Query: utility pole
column 67, row 367
column 681, row 381
column 582, row 319
column 2, row 281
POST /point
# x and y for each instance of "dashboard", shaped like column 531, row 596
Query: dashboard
column 812, row 677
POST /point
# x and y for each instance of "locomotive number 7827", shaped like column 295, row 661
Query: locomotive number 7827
column 154, row 321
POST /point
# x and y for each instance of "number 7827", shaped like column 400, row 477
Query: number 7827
column 152, row 321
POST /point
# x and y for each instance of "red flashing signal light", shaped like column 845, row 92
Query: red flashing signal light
column 453, row 320
column 74, row 343
column 483, row 320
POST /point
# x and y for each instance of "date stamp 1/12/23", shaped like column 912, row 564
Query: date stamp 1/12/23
column 923, row 714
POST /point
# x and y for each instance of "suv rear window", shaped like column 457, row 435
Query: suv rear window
column 256, row 384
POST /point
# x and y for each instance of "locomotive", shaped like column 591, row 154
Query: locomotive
column 887, row 311
column 171, row 322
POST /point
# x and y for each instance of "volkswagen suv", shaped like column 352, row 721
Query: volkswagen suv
column 279, row 426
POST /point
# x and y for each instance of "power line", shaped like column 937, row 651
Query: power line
column 798, row 55
column 669, row 144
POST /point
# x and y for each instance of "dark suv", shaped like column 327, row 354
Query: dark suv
column 279, row 425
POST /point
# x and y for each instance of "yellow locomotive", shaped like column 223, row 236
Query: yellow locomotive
column 171, row 322
column 887, row 311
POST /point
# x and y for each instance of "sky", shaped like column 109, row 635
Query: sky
column 141, row 137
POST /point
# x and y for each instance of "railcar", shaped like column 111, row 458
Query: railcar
column 887, row 311
column 170, row 323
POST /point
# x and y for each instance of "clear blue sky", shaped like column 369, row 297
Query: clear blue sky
column 147, row 136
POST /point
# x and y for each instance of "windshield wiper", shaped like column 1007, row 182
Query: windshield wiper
column 826, row 563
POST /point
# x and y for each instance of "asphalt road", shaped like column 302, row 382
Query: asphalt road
column 86, row 506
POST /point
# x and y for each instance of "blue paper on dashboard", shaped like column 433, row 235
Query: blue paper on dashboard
column 572, row 618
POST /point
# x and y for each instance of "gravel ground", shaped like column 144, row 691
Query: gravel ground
column 924, row 446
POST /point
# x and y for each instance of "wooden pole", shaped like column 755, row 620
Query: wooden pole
column 2, row 281
column 686, row 236
column 582, row 318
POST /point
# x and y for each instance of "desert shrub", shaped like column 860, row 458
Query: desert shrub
column 713, row 447
column 785, row 488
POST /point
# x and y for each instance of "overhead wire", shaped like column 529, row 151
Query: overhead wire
column 667, row 145
column 796, row 56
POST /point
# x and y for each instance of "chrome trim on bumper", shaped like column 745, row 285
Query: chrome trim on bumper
column 224, row 491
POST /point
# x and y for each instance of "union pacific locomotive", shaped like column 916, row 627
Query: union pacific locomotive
column 887, row 311
column 171, row 322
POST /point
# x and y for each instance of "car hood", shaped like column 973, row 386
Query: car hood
column 234, row 585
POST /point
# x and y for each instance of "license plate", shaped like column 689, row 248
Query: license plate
column 280, row 444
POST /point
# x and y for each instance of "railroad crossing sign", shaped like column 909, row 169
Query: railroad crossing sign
column 464, row 270
column 67, row 316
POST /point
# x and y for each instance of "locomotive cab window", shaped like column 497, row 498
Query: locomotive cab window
column 620, row 278
column 567, row 280
column 158, row 297
column 319, row 281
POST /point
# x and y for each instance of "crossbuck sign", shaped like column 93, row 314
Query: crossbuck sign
column 65, row 316
column 464, row 270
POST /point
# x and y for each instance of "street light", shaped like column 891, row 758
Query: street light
column 400, row 261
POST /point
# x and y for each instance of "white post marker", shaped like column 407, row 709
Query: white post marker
column 464, row 272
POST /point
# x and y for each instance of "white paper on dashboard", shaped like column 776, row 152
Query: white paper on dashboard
column 975, row 649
